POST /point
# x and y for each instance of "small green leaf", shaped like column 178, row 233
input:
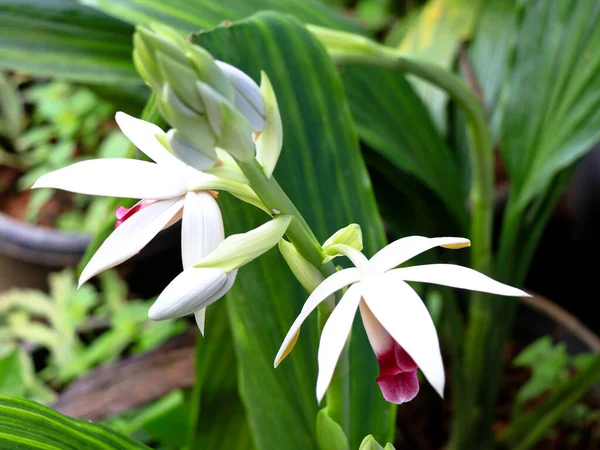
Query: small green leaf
column 350, row 236
column 239, row 249
column 329, row 433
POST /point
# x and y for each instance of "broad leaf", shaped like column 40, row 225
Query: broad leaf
column 27, row 425
column 321, row 170
column 62, row 38
column 551, row 115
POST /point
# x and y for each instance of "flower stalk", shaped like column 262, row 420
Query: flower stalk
column 304, row 240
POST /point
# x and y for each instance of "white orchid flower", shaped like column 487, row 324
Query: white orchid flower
column 397, row 322
column 163, row 187
column 210, row 266
column 201, row 233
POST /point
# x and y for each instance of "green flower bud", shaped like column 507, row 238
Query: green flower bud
column 369, row 443
column 350, row 236
column 239, row 249
column 307, row 274
column 210, row 103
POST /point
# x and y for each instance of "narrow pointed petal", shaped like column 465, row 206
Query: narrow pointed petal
column 270, row 140
column 201, row 228
column 328, row 287
column 131, row 236
column 248, row 99
column 397, row 371
column 200, row 316
column 143, row 135
column 402, row 250
column 403, row 314
column 239, row 249
column 334, row 336
column 458, row 277
column 191, row 290
column 117, row 177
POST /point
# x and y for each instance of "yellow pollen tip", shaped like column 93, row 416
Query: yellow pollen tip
column 289, row 348
column 457, row 246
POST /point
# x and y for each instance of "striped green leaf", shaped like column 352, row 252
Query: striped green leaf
column 322, row 171
column 551, row 114
column 62, row 38
column 26, row 425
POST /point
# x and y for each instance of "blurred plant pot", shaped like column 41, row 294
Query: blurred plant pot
column 29, row 252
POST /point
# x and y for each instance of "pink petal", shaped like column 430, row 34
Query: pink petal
column 122, row 213
column 397, row 375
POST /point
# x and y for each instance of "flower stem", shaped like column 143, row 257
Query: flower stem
column 305, row 241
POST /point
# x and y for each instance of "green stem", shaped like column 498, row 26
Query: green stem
column 305, row 241
column 347, row 48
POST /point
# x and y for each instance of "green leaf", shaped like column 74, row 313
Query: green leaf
column 11, row 381
column 193, row 15
column 531, row 427
column 27, row 425
column 329, row 433
column 550, row 123
column 266, row 298
column 64, row 39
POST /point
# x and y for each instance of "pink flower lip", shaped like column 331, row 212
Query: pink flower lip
column 397, row 375
column 122, row 213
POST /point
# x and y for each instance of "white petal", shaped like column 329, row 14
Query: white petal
column 201, row 314
column 458, row 277
column 248, row 99
column 329, row 286
column 334, row 336
column 191, row 290
column 143, row 135
column 402, row 250
column 131, row 236
column 403, row 314
column 200, row 319
column 117, row 177
column 202, row 227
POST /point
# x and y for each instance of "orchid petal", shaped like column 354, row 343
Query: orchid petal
column 190, row 291
column 458, row 277
column 239, row 249
column 248, row 99
column 403, row 314
column 201, row 228
column 143, row 135
column 334, row 336
column 200, row 316
column 402, row 250
column 190, row 154
column 117, row 177
column 328, row 287
column 397, row 371
column 131, row 236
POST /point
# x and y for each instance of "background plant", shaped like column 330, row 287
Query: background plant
column 413, row 139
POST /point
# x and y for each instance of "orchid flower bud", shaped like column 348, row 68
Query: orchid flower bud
column 210, row 103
